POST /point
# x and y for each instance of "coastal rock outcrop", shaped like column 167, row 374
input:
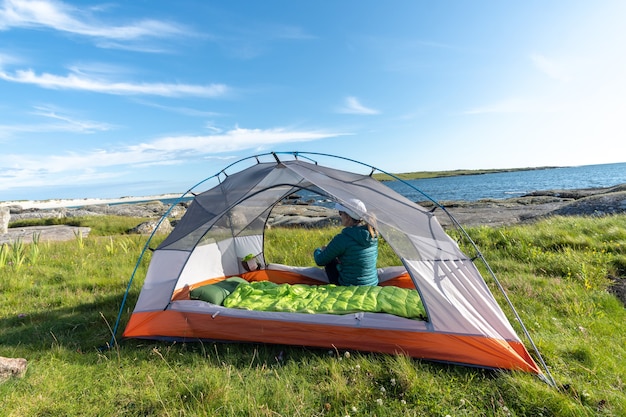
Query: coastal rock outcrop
column 149, row 209
column 535, row 206
column 595, row 205
column 5, row 217
column 294, row 212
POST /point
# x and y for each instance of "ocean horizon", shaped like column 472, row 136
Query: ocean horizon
column 503, row 185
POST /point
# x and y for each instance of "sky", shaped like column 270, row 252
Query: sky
column 104, row 99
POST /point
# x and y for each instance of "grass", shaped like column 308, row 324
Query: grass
column 58, row 301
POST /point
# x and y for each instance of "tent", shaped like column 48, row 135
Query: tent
column 464, row 324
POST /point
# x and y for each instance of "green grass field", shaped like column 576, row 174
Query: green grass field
column 59, row 301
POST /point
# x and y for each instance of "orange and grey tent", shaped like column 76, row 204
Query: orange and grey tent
column 464, row 323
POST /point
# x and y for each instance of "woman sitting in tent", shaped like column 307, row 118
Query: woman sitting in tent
column 350, row 257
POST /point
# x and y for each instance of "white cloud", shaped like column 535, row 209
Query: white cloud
column 54, row 120
column 69, row 123
column 66, row 18
column 18, row 171
column 353, row 106
column 79, row 81
column 232, row 140
column 6, row 60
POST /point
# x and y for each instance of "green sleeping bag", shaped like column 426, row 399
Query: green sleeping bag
column 328, row 299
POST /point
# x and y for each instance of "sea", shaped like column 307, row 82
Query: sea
column 500, row 185
column 503, row 185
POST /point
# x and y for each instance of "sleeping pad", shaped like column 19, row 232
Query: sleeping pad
column 328, row 299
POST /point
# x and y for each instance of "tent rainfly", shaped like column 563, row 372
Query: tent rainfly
column 463, row 322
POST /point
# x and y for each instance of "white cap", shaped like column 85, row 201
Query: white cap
column 357, row 204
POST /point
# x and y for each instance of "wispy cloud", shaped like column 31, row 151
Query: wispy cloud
column 64, row 17
column 352, row 105
column 550, row 67
column 283, row 32
column 187, row 111
column 6, row 60
column 138, row 35
column 52, row 119
column 70, row 123
column 250, row 39
column 80, row 81
column 28, row 170
column 516, row 105
column 504, row 106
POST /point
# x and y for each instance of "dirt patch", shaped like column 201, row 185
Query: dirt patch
column 618, row 288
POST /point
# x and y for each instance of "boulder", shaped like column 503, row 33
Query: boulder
column 12, row 367
column 303, row 215
column 32, row 234
column 595, row 205
column 149, row 227
column 5, row 217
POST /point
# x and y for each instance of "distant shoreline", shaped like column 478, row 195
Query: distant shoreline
column 419, row 175
column 80, row 202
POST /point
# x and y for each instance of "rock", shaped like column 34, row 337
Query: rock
column 15, row 208
column 148, row 227
column 150, row 209
column 177, row 211
column 5, row 217
column 17, row 213
column 535, row 206
column 43, row 233
column 12, row 367
column 595, row 205
column 289, row 215
column 143, row 209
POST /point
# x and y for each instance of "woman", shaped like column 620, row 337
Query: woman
column 350, row 257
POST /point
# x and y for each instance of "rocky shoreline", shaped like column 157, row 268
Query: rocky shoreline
column 294, row 211
column 537, row 205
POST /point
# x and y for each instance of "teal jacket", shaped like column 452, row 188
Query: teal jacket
column 357, row 252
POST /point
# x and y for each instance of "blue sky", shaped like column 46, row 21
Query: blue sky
column 109, row 99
